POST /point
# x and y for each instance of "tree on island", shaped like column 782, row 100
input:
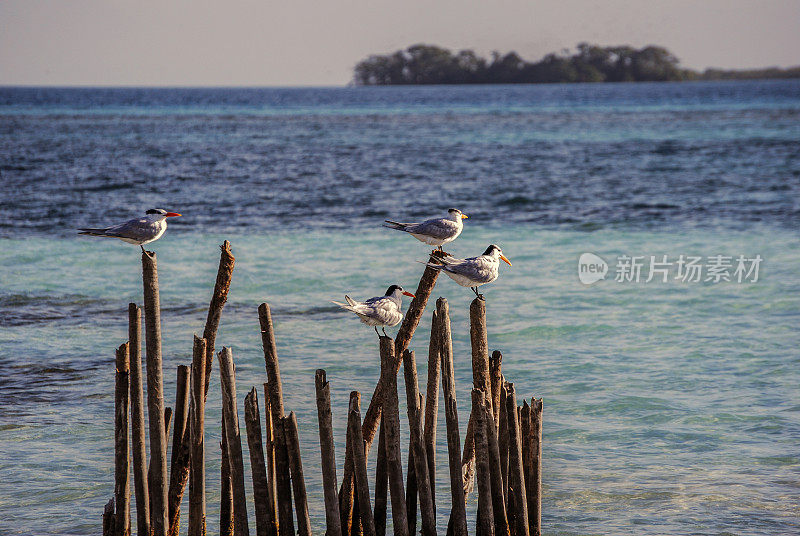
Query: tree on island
column 430, row 64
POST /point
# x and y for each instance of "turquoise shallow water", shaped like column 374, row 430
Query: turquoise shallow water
column 670, row 408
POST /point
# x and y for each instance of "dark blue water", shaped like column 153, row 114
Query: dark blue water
column 582, row 156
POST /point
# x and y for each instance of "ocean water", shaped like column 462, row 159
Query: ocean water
column 670, row 407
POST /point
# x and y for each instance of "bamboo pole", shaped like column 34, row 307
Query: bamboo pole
column 516, row 477
column 270, row 453
column 536, row 453
column 498, row 494
column 298, row 480
column 284, row 488
column 137, row 421
column 155, row 395
column 226, row 521
column 391, row 418
column 197, row 473
column 419, row 459
column 502, row 443
column 485, row 522
column 122, row 486
column 527, row 460
column 458, row 514
column 360, row 463
column 381, row 484
column 432, row 406
column 496, row 378
column 333, row 521
column 179, row 464
column 258, row 467
column 218, row 299
column 233, row 441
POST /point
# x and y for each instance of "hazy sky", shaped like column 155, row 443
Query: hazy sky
column 300, row 42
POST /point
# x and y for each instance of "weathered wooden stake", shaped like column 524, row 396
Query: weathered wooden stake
column 283, row 483
column 498, row 494
column 502, row 439
column 391, row 419
column 411, row 490
column 270, row 453
column 258, row 467
column 179, row 463
column 536, row 453
column 141, row 491
column 527, row 461
column 496, row 378
column 419, row 459
column 298, row 480
column 360, row 464
column 226, row 521
column 218, row 299
column 122, row 486
column 271, row 361
column 516, row 476
column 381, row 484
column 234, row 441
column 485, row 511
column 197, row 473
column 108, row 518
column 347, row 494
column 328, row 453
column 159, row 522
column 458, row 514
column 432, row 406
column 150, row 466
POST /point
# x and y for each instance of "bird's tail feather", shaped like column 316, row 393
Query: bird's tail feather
column 395, row 225
column 343, row 305
column 93, row 232
column 350, row 301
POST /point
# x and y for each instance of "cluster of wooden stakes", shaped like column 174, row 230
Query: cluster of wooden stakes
column 502, row 445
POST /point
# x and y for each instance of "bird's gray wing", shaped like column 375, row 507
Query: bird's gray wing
column 137, row 229
column 438, row 228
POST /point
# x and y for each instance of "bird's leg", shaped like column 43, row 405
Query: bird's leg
column 384, row 332
column 475, row 290
column 141, row 246
column 376, row 331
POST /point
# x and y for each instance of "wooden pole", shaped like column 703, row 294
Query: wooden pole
column 360, row 463
column 391, row 419
column 159, row 522
column 496, row 378
column 347, row 497
column 226, row 521
column 527, row 461
column 502, row 439
column 258, row 467
column 516, row 476
column 333, row 521
column 179, row 464
column 432, row 407
column 108, row 518
column 298, row 480
column 122, row 486
column 150, row 466
column 419, row 459
column 411, row 490
column 485, row 512
column 271, row 361
column 270, row 453
column 137, row 422
column 283, row 484
column 234, row 441
column 458, row 514
column 498, row 494
column 197, row 473
column 536, row 453
column 218, row 299
column 381, row 484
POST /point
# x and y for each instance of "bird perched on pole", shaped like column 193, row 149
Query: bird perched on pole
column 139, row 231
column 436, row 231
column 473, row 271
column 379, row 311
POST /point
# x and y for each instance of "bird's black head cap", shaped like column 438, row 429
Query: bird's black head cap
column 391, row 289
column 491, row 248
column 156, row 211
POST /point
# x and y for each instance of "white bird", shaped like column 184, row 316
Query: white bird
column 474, row 271
column 137, row 231
column 436, row 231
column 380, row 310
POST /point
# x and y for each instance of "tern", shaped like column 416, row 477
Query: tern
column 436, row 231
column 139, row 231
column 380, row 310
column 474, row 271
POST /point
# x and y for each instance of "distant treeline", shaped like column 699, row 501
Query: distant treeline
column 430, row 64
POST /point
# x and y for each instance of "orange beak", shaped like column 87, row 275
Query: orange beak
column 408, row 294
column 172, row 214
column 464, row 216
column 505, row 259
